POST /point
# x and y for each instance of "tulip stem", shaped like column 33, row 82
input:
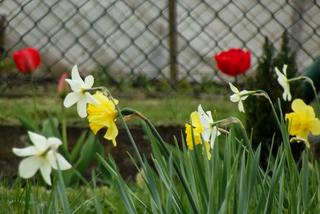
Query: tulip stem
column 33, row 86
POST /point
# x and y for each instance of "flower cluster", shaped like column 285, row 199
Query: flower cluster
column 98, row 108
column 301, row 122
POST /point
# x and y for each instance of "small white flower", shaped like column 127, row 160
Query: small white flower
column 43, row 155
column 78, row 94
column 210, row 131
column 238, row 96
column 283, row 81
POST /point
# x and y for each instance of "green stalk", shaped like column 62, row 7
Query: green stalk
column 64, row 130
column 34, row 102
column 309, row 80
column 27, row 198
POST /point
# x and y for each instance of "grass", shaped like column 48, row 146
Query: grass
column 163, row 111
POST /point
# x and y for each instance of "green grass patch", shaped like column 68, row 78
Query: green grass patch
column 162, row 111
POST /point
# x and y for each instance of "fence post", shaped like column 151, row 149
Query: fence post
column 173, row 42
column 2, row 33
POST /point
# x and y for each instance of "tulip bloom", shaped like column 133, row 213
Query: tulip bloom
column 27, row 60
column 233, row 61
column 62, row 84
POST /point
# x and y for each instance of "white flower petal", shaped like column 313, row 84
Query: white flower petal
column 244, row 97
column 206, row 134
column 38, row 140
column 210, row 117
column 75, row 85
column 75, row 74
column 82, row 107
column 203, row 117
column 71, row 99
column 28, row 151
column 45, row 170
column 215, row 133
column 233, row 88
column 88, row 82
column 55, row 158
column 54, row 142
column 234, row 98
column 91, row 99
column 29, row 166
column 240, row 106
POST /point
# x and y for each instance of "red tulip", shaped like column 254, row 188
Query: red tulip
column 233, row 62
column 27, row 60
column 62, row 88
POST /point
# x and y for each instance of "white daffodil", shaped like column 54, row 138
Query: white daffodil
column 43, row 155
column 238, row 96
column 283, row 81
column 78, row 94
column 210, row 132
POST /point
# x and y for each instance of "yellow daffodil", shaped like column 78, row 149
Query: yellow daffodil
column 103, row 115
column 194, row 127
column 302, row 121
column 283, row 81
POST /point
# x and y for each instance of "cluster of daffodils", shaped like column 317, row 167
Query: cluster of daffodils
column 98, row 108
column 201, row 129
column 301, row 122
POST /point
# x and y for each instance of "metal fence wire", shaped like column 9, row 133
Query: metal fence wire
column 172, row 40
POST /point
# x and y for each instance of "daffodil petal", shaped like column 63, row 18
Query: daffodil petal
column 233, row 88
column 112, row 133
column 55, row 158
column 23, row 152
column 315, row 127
column 298, row 105
column 75, row 74
column 71, row 99
column 38, row 140
column 45, row 170
column 75, row 85
column 91, row 99
column 29, row 166
column 88, row 81
column 206, row 134
column 234, row 98
column 54, row 142
column 82, row 108
column 240, row 106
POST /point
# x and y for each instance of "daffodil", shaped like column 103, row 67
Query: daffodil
column 302, row 121
column 103, row 115
column 238, row 96
column 283, row 81
column 210, row 131
column 79, row 94
column 42, row 155
column 194, row 130
column 201, row 130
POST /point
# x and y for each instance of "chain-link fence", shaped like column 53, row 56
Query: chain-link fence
column 174, row 40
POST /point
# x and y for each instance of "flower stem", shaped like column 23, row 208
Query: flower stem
column 309, row 80
column 64, row 130
column 34, row 102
